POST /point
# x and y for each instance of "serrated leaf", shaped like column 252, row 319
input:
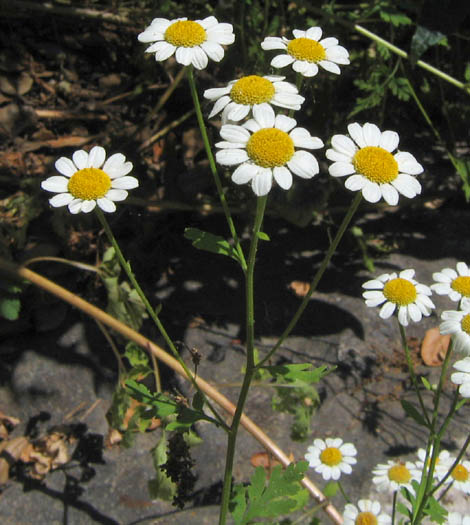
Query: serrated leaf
column 394, row 17
column 198, row 401
column 330, row 489
column 422, row 40
column 10, row 308
column 135, row 355
column 211, row 243
column 463, row 169
column 412, row 412
column 161, row 487
column 403, row 509
column 162, row 405
column 426, row 383
column 298, row 372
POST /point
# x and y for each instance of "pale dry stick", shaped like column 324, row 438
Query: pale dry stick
column 56, row 114
column 162, row 132
column 16, row 272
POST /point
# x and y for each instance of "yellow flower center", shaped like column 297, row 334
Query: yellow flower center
column 461, row 284
column 270, row 147
column 366, row 518
column 331, row 456
column 252, row 90
column 400, row 291
column 377, row 164
column 185, row 33
column 306, row 49
column 399, row 474
column 460, row 473
column 89, row 184
column 465, row 324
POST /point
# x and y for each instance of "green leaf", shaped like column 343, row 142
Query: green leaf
column 10, row 304
column 330, row 489
column 269, row 498
column 136, row 355
column 161, row 487
column 263, row 236
column 198, row 401
column 298, row 372
column 163, row 406
column 394, row 17
column 211, row 243
column 412, row 412
column 463, row 169
column 426, row 383
column 422, row 40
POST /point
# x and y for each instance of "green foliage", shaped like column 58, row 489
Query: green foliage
column 211, row 243
column 330, row 489
column 412, row 412
column 295, row 394
column 423, row 39
column 10, row 304
column 161, row 487
column 432, row 508
column 124, row 302
column 262, row 498
column 463, row 169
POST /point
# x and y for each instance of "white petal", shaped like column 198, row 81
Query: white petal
column 162, row 51
column 264, row 115
column 407, row 185
column 80, row 158
column 106, row 205
column 462, row 268
column 222, row 37
column 233, row 133
column 371, row 134
column 329, row 42
column 282, row 60
column 355, row 131
column 216, row 93
column 213, row 50
column 65, row 166
column 235, row 112
column 220, row 104
column 208, row 22
column 299, row 33
column 199, row 59
column 116, row 195
column 184, row 55
column 390, row 194
column 389, row 140
column 75, row 206
column 116, row 166
column 387, row 310
column 371, row 192
column 463, row 365
column 262, row 182
column 96, row 157
column 88, row 206
column 341, row 169
column 330, row 66
column 337, row 54
column 314, row 33
column 244, row 173
column 344, row 145
column 403, row 315
column 252, row 125
column 283, row 177
column 355, row 183
column 56, row 183
column 125, row 183
column 414, row 312
column 303, row 139
column 407, row 163
column 273, row 42
column 303, row 164
column 285, row 123
column 307, row 69
column 230, row 157
column 61, row 200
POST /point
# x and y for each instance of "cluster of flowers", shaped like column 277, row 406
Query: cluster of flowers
column 331, row 458
column 403, row 294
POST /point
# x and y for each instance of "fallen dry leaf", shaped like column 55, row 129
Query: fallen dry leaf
column 10, row 452
column 265, row 460
column 434, row 347
column 300, row 288
column 6, row 424
column 46, row 454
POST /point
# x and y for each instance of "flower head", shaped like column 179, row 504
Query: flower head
column 240, row 96
column 399, row 291
column 455, row 518
column 192, row 41
column 457, row 323
column 366, row 512
column 441, row 467
column 393, row 475
column 331, row 457
column 366, row 158
column 86, row 182
column 462, row 377
column 266, row 147
column 455, row 284
column 460, row 476
column 306, row 52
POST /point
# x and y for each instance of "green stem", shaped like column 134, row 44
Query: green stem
column 412, row 373
column 394, row 506
column 153, row 315
column 343, row 493
column 250, row 359
column 316, row 279
column 213, row 166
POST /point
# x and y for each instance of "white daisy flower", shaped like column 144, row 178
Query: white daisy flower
column 371, row 167
column 441, row 467
column 86, row 182
column 393, row 475
column 460, row 477
column 192, row 41
column 455, row 518
column 366, row 511
column 462, row 377
column 457, row 323
column 306, row 52
column 331, row 457
column 240, row 96
column 265, row 147
column 402, row 291
column 454, row 284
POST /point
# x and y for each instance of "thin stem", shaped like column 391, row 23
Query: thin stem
column 213, row 166
column 153, row 315
column 250, row 360
column 412, row 373
column 394, row 506
column 117, row 355
column 313, row 285
column 341, row 489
